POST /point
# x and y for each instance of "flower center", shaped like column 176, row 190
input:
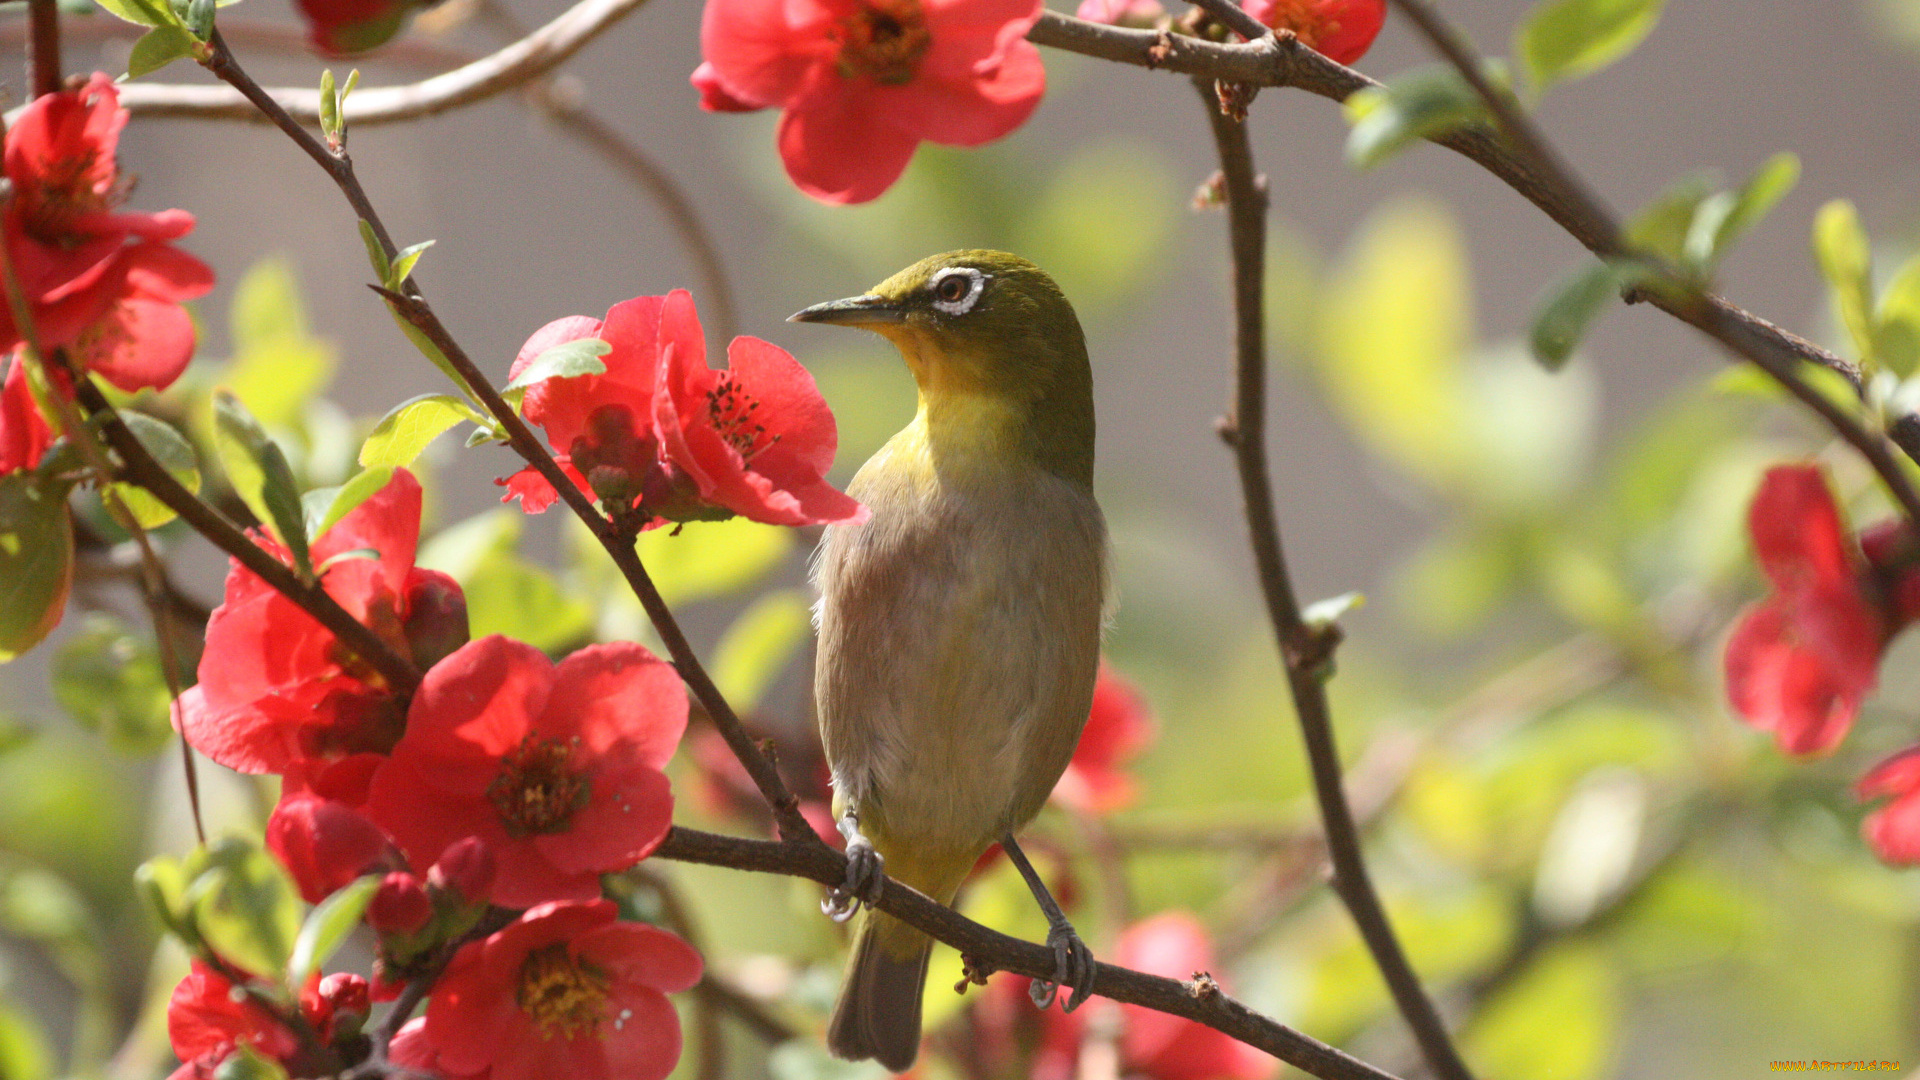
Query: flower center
column 730, row 411
column 563, row 995
column 884, row 40
column 537, row 790
column 1310, row 20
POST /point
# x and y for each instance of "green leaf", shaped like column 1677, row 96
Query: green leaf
column 326, row 928
column 408, row 427
column 258, row 471
column 426, row 346
column 1661, row 227
column 245, row 907
column 1568, row 308
column 1846, row 260
column 329, row 105
column 505, row 593
column 36, row 560
column 157, row 48
column 1726, row 216
column 711, row 558
column 364, row 485
column 403, row 263
column 173, row 452
column 247, row 1063
column 199, row 19
column 278, row 365
column 142, row 12
column 1896, row 321
column 24, row 1050
column 567, row 360
column 1568, row 39
column 109, row 679
column 757, row 647
column 162, row 883
column 376, row 254
column 1424, row 103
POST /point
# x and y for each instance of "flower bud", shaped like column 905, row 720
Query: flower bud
column 465, row 870
column 346, row 994
column 436, row 624
column 400, row 905
column 323, row 844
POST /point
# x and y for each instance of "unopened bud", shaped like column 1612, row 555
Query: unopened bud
column 324, row 844
column 346, row 992
column 399, row 905
column 436, row 624
column 465, row 869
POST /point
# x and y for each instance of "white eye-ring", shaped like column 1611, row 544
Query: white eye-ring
column 957, row 288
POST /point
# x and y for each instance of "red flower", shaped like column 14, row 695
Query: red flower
column 662, row 431
column 343, row 27
column 324, row 844
column 1118, row 727
column 1139, row 14
column 1802, row 660
column 24, row 433
column 556, row 769
column 565, row 991
column 207, row 1020
column 1340, row 30
column 861, row 82
column 106, row 286
column 1152, row 1044
column 1894, row 830
column 277, row 691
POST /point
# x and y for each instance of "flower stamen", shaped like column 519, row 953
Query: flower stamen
column 883, row 40
column 538, row 791
column 562, row 994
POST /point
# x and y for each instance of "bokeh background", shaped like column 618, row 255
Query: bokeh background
column 1598, row 871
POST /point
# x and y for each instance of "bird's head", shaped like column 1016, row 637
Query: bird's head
column 993, row 344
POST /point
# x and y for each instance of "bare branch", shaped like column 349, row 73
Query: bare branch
column 43, row 46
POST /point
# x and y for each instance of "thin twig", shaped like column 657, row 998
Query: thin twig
column 154, row 575
column 1305, row 650
column 43, row 46
column 1235, row 18
column 990, row 950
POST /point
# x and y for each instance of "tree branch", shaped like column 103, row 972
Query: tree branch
column 1306, row 650
column 989, row 950
column 43, row 46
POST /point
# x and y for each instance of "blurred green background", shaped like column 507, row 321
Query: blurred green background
column 1599, row 873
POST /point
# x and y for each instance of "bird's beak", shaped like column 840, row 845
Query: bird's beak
column 853, row 311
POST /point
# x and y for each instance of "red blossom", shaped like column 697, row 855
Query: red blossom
column 1802, row 660
column 662, row 431
column 104, row 285
column 1893, row 831
column 1139, row 14
column 24, row 433
column 1340, row 30
column 277, row 691
column 556, row 769
column 325, row 844
column 861, row 82
column 400, row 905
column 565, row 991
column 344, row 27
column 207, row 1020
column 1118, row 727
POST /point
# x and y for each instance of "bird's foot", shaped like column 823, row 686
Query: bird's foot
column 866, row 875
column 1073, row 968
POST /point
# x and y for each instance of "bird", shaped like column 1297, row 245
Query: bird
column 959, row 624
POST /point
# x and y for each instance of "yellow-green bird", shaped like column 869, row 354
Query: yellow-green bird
column 960, row 623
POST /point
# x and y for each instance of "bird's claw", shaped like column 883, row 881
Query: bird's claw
column 1073, row 968
column 865, row 878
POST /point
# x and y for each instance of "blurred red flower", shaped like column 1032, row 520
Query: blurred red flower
column 24, row 433
column 277, row 691
column 207, row 1021
column 325, row 844
column 1138, row 14
column 555, row 769
column 861, row 82
column 1893, row 831
column 565, row 991
column 1800, row 662
column 661, row 430
column 344, row 27
column 1340, row 30
column 1118, row 727
column 106, row 286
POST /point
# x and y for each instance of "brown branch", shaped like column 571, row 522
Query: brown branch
column 1306, row 650
column 1286, row 64
column 43, row 46
column 989, row 950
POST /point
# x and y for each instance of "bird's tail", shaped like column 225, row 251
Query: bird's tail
column 878, row 1015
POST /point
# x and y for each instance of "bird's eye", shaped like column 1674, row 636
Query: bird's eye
column 957, row 288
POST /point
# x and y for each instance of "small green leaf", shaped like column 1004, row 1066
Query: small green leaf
column 403, row 264
column 1329, row 611
column 376, row 254
column 757, row 647
column 247, row 1063
column 349, row 555
column 353, row 80
column 157, row 48
column 36, row 560
column 109, row 679
column 326, row 929
column 24, row 1050
column 567, row 360
column 142, row 12
column 1422, row 104
column 162, row 882
column 258, row 471
column 173, row 452
column 199, row 19
column 245, row 907
column 408, row 427
column 1840, row 246
column 1896, row 321
column 1661, row 227
column 1567, row 39
column 364, row 485
column 329, row 105
column 1569, row 307
column 1725, row 216
column 427, row 348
